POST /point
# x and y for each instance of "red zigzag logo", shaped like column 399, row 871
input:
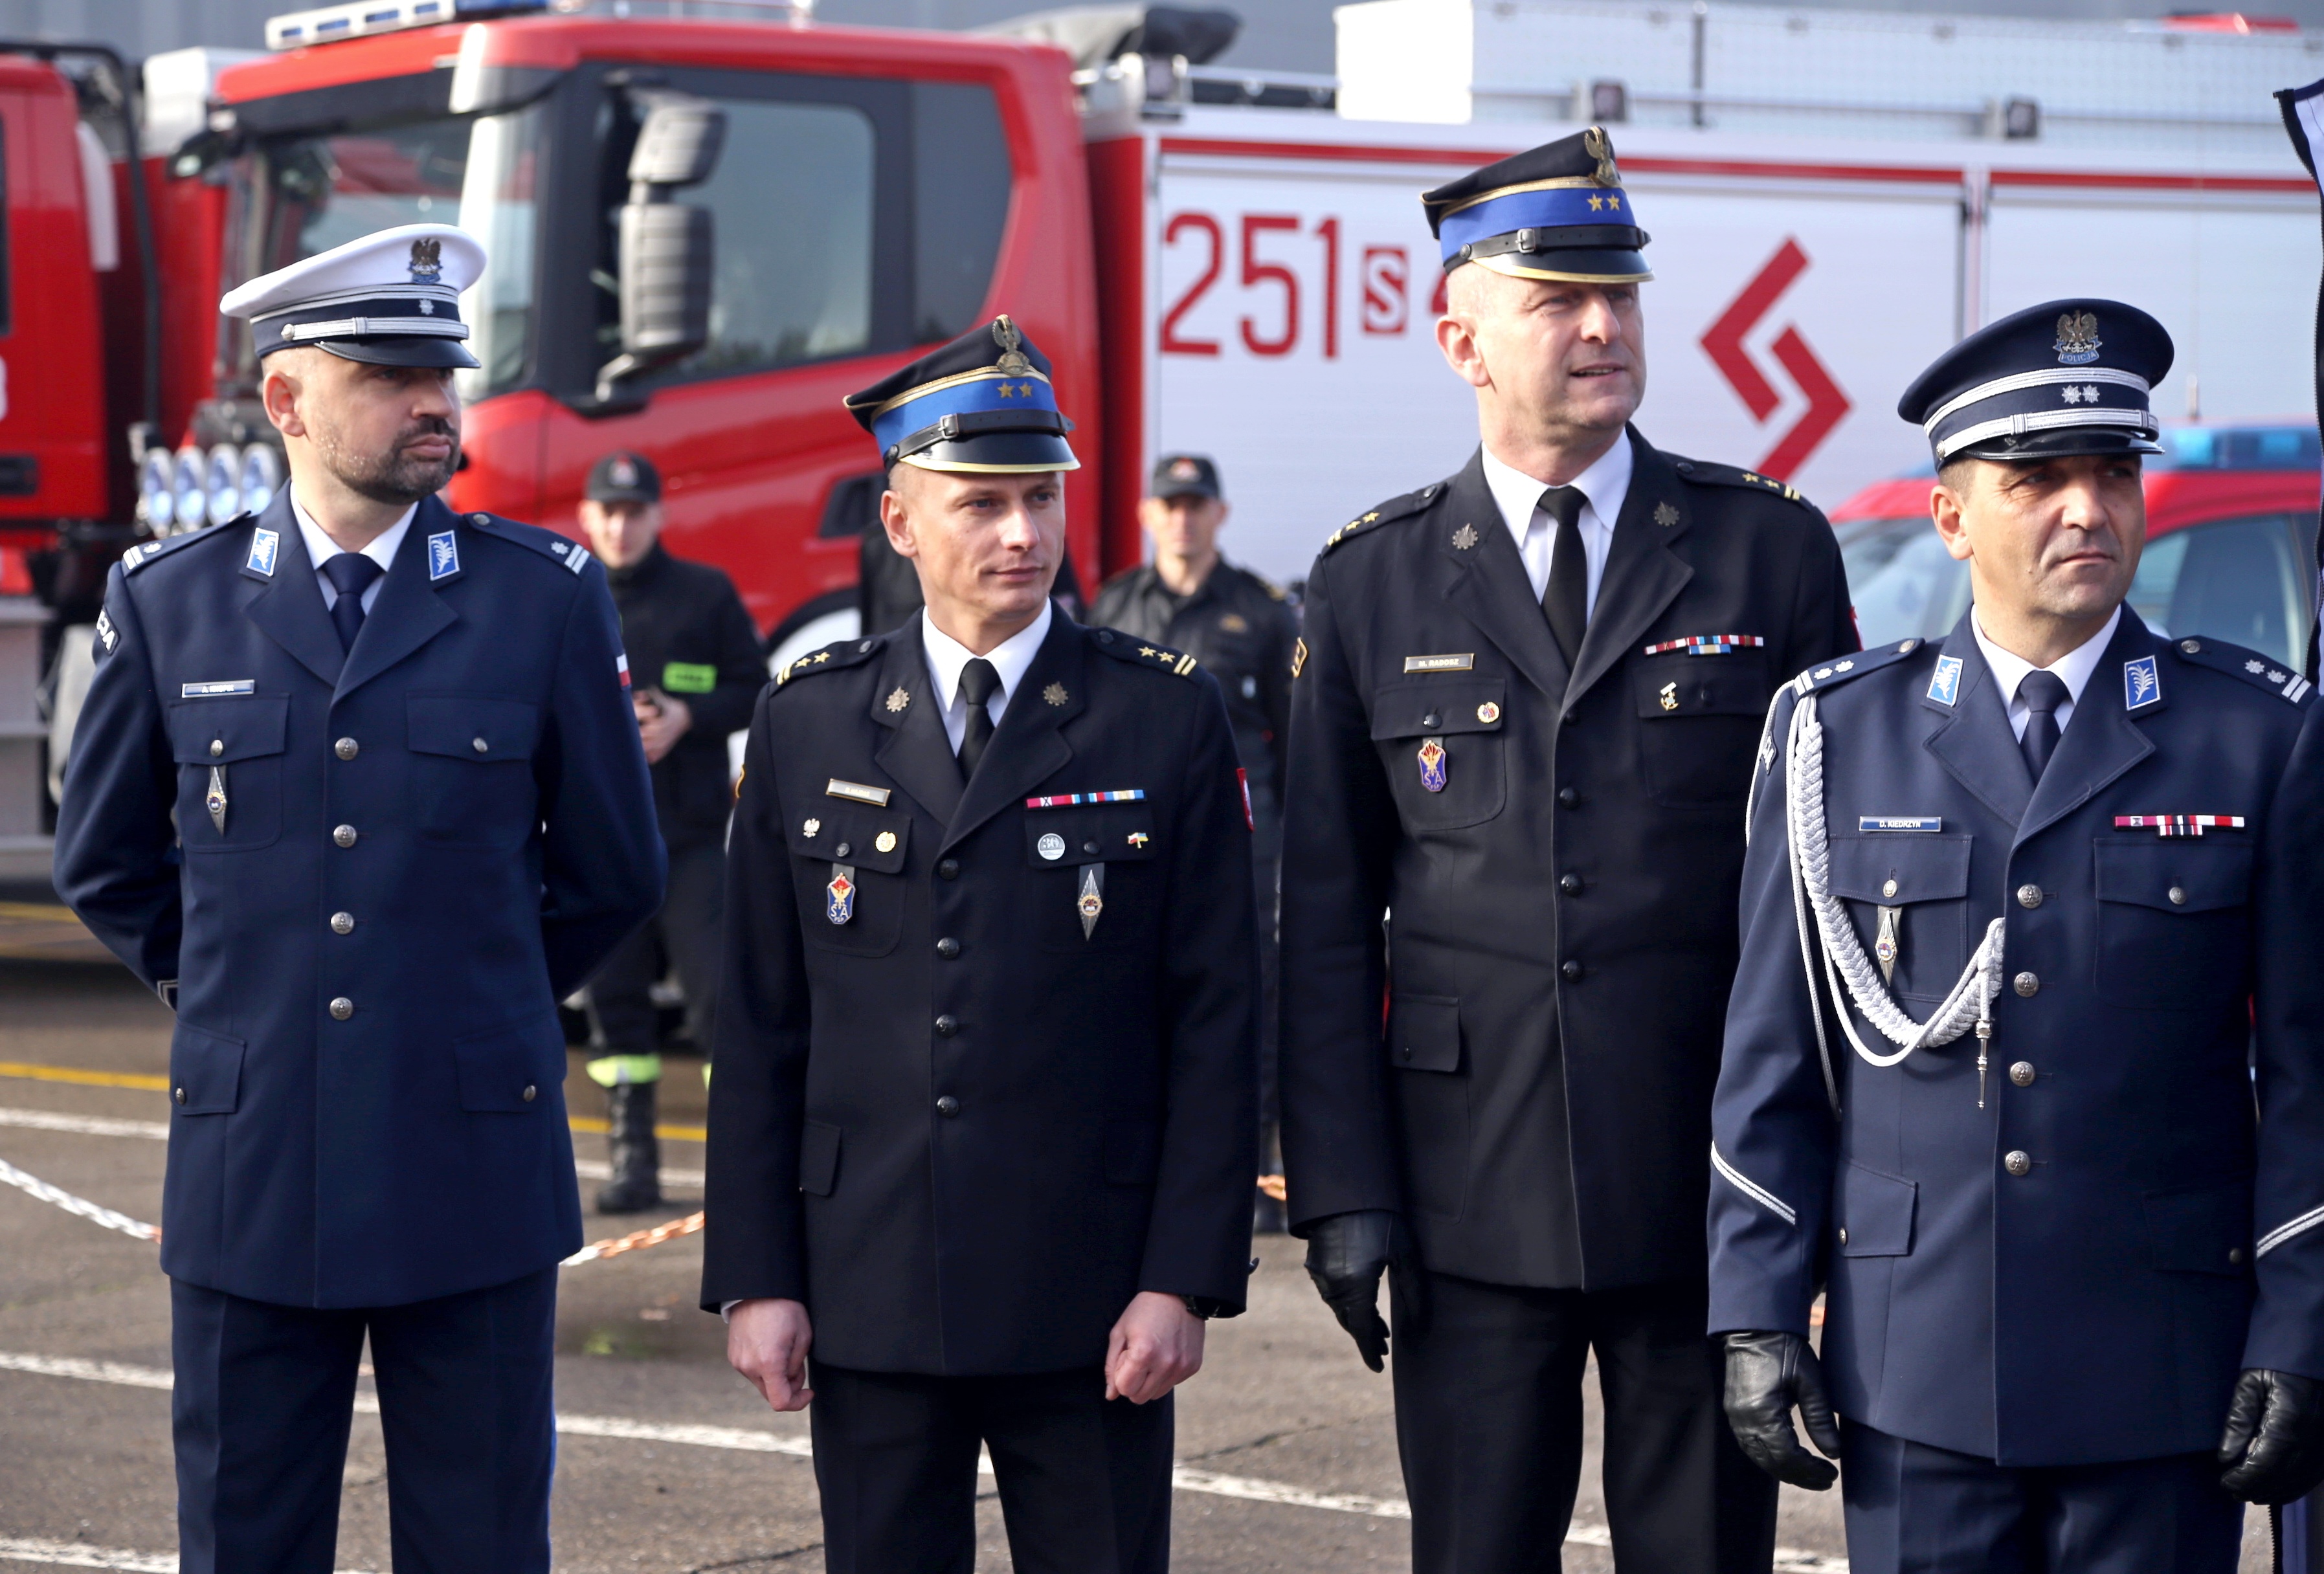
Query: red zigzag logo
column 1723, row 342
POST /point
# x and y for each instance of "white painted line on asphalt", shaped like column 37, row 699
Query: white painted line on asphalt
column 81, row 1555
column 96, row 1213
column 747, row 1439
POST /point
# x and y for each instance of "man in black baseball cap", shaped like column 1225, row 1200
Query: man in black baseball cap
column 694, row 658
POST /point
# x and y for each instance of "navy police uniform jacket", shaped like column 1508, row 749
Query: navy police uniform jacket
column 2075, row 1272
column 962, row 1131
column 428, row 841
column 1559, row 936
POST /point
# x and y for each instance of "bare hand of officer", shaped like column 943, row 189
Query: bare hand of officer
column 1346, row 1255
column 1156, row 1345
column 662, row 721
column 2274, row 1442
column 1766, row 1375
column 767, row 1342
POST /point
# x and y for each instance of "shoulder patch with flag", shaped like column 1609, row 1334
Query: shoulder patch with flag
column 622, row 666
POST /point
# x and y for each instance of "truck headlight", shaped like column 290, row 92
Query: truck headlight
column 156, row 492
column 190, row 506
column 221, row 484
column 261, row 477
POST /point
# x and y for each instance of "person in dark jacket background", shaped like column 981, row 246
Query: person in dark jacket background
column 694, row 670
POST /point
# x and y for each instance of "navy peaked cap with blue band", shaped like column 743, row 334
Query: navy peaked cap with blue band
column 2065, row 377
column 1557, row 211
column 391, row 298
column 982, row 403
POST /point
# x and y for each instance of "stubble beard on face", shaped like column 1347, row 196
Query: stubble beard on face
column 393, row 477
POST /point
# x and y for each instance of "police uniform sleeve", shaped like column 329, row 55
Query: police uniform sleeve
column 602, row 864
column 742, row 670
column 1772, row 1130
column 116, row 856
column 2287, row 1323
column 755, row 1243
column 1198, row 1233
column 1340, row 830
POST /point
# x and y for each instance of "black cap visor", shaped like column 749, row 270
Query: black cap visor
column 996, row 453
column 399, row 350
column 2066, row 443
column 1168, row 490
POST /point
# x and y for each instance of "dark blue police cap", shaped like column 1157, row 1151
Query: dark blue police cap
column 2065, row 377
column 982, row 403
column 392, row 298
column 1557, row 211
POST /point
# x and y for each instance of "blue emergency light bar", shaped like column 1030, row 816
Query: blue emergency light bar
column 362, row 18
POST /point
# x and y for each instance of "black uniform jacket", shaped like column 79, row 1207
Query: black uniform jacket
column 1240, row 628
column 964, row 1133
column 1560, row 933
column 689, row 637
column 427, row 840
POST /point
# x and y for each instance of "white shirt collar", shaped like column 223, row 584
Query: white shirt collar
column 321, row 548
column 1605, row 484
column 946, row 655
column 2073, row 668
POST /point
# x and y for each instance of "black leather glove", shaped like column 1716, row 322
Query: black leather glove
column 1346, row 1255
column 1766, row 1375
column 2273, row 1447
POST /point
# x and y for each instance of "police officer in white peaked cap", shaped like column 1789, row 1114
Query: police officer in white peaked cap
column 358, row 791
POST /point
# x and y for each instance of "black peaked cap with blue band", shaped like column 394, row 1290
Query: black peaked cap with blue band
column 984, row 404
column 2066, row 377
column 1557, row 211
column 391, row 298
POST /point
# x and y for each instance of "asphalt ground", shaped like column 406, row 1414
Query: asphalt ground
column 667, row 1461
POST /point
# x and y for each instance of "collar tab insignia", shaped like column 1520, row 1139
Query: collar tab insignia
column 443, row 556
column 1944, row 684
column 2141, row 684
column 264, row 545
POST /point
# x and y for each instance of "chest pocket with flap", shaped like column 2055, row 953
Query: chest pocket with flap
column 1699, row 720
column 471, row 767
column 241, row 736
column 1926, row 877
column 2174, row 922
column 1121, row 836
column 1465, row 717
column 877, row 843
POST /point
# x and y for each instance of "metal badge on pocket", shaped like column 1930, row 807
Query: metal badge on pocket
column 1431, row 764
column 839, row 895
column 1092, row 900
column 216, row 799
column 1887, row 947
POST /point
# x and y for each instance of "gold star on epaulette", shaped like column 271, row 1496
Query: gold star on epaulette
column 1147, row 650
column 1760, row 479
column 821, row 656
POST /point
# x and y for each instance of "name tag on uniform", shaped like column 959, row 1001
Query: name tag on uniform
column 1464, row 662
column 1899, row 823
column 202, row 691
column 877, row 796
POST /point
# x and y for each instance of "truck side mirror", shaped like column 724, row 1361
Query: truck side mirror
column 666, row 248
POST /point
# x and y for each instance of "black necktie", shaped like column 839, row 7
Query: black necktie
column 2044, row 692
column 1567, row 600
column 350, row 573
column 978, row 679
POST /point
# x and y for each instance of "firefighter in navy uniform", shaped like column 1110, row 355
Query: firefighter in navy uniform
column 981, row 1131
column 1241, row 628
column 695, row 672
column 1523, row 713
column 358, row 790
column 2059, row 873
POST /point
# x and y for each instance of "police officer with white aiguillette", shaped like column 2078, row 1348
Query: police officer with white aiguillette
column 2026, row 1062
column 358, row 791
column 1524, row 712
column 982, row 1131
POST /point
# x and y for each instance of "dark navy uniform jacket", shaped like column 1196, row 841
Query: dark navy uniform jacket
column 1559, row 939
column 2099, row 1305
column 964, row 1133
column 445, row 828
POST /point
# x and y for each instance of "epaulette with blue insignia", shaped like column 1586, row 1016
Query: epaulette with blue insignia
column 145, row 552
column 2254, row 668
column 1826, row 675
column 564, row 550
column 1145, row 653
column 830, row 659
column 1703, row 470
column 1396, row 508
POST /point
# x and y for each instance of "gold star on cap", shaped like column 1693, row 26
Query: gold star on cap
column 1464, row 538
column 898, row 700
column 1055, row 694
column 1665, row 515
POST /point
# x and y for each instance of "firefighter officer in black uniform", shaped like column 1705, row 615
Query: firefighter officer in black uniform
column 694, row 670
column 982, row 1131
column 1240, row 628
column 1524, row 715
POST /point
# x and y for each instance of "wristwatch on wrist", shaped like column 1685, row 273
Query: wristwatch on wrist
column 1202, row 1306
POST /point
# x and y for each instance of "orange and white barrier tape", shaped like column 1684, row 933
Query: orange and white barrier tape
column 636, row 1240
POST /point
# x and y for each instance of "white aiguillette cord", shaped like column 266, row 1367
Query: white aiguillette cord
column 1969, row 1003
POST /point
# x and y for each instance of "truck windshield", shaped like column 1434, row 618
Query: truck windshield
column 304, row 193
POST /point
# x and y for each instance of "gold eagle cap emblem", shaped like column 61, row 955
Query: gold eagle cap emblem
column 1012, row 362
column 2078, row 339
column 426, row 261
column 897, row 700
column 1601, row 147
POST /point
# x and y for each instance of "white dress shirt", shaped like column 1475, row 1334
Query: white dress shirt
column 1605, row 484
column 2074, row 669
column 321, row 548
column 1010, row 658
